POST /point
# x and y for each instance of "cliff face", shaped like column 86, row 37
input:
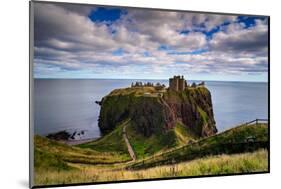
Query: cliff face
column 193, row 107
column 154, row 112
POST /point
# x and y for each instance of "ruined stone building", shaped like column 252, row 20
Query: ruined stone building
column 177, row 83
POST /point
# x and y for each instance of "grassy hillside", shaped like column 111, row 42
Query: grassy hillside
column 147, row 146
column 143, row 146
column 224, row 153
column 52, row 155
column 219, row 164
column 228, row 142
column 184, row 134
column 111, row 142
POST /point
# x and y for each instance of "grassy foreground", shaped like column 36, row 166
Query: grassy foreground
column 232, row 141
column 55, row 156
column 221, row 164
column 176, row 154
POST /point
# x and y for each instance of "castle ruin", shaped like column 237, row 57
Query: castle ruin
column 177, row 83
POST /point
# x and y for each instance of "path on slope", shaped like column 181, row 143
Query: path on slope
column 130, row 149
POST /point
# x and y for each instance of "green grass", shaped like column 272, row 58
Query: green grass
column 229, row 142
column 112, row 142
column 133, row 91
column 117, row 108
column 49, row 162
column 57, row 163
column 184, row 134
column 148, row 146
column 210, row 165
column 143, row 146
column 216, row 165
column 203, row 115
column 239, row 134
column 53, row 155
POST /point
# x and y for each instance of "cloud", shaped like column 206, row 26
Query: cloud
column 236, row 38
column 205, row 22
column 59, row 28
column 83, row 10
column 162, row 27
column 67, row 40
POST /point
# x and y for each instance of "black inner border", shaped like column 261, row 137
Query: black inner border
column 139, row 180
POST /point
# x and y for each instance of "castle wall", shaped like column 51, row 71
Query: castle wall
column 177, row 83
column 181, row 85
column 173, row 84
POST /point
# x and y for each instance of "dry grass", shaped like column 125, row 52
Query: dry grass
column 54, row 156
column 212, row 165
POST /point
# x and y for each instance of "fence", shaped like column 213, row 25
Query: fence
column 198, row 150
column 256, row 121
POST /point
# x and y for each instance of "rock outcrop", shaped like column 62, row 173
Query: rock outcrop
column 152, row 111
column 193, row 107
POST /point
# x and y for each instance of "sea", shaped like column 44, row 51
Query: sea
column 69, row 104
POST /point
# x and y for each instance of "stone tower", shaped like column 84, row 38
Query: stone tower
column 177, row 83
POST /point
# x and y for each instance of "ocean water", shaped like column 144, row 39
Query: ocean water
column 69, row 104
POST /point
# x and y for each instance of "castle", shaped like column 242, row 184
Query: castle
column 177, row 83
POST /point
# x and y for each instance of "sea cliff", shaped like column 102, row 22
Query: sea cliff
column 153, row 110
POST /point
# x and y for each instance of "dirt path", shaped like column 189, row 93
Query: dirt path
column 130, row 149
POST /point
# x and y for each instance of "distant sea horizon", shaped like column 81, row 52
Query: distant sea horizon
column 195, row 80
column 69, row 103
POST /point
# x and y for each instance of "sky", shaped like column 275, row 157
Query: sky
column 85, row 41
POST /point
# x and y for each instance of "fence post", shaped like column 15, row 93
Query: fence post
column 173, row 167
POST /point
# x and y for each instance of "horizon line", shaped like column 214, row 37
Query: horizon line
column 43, row 78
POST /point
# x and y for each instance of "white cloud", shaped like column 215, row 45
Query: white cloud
column 66, row 39
column 236, row 38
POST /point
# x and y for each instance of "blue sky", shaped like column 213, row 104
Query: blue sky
column 75, row 41
column 102, row 14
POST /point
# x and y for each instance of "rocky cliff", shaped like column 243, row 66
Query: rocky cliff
column 152, row 111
